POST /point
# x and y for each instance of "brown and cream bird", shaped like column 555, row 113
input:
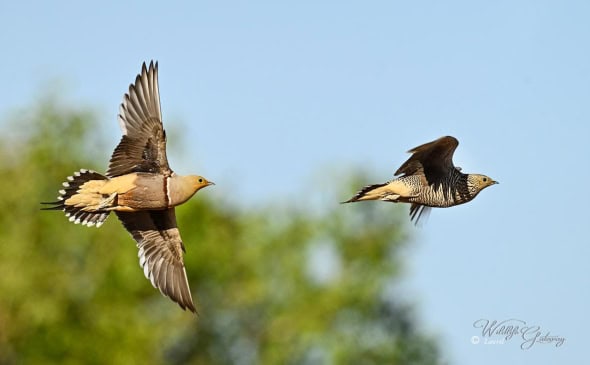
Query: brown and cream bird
column 141, row 189
column 428, row 179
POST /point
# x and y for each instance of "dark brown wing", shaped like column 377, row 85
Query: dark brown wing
column 160, row 252
column 143, row 145
column 434, row 160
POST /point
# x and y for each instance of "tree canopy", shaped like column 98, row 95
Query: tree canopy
column 273, row 285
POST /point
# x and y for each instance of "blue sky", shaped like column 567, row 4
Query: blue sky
column 273, row 94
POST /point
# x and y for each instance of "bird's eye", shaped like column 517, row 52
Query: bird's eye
column 200, row 180
column 485, row 179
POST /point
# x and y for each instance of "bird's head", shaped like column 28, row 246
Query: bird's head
column 199, row 182
column 181, row 188
column 479, row 182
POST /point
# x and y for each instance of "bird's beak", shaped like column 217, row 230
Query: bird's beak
column 210, row 183
column 496, row 182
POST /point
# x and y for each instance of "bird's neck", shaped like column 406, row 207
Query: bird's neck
column 181, row 189
column 464, row 191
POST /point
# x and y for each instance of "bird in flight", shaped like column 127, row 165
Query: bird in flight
column 428, row 179
column 141, row 189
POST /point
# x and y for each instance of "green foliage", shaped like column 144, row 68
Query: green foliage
column 274, row 285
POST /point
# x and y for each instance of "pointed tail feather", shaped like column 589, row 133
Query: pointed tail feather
column 363, row 194
column 77, row 214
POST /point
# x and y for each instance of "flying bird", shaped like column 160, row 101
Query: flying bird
column 141, row 189
column 428, row 179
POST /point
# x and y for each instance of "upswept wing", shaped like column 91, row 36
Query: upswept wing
column 143, row 145
column 434, row 159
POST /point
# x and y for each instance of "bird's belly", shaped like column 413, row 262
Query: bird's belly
column 434, row 198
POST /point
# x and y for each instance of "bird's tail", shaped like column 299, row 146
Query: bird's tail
column 369, row 192
column 80, row 199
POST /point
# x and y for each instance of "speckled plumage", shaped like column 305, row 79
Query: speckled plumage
column 428, row 179
column 141, row 189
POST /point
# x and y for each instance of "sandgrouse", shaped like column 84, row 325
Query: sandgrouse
column 429, row 179
column 141, row 189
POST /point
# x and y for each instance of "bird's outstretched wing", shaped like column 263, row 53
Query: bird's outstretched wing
column 434, row 160
column 160, row 252
column 143, row 145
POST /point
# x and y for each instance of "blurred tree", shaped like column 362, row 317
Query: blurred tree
column 276, row 285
